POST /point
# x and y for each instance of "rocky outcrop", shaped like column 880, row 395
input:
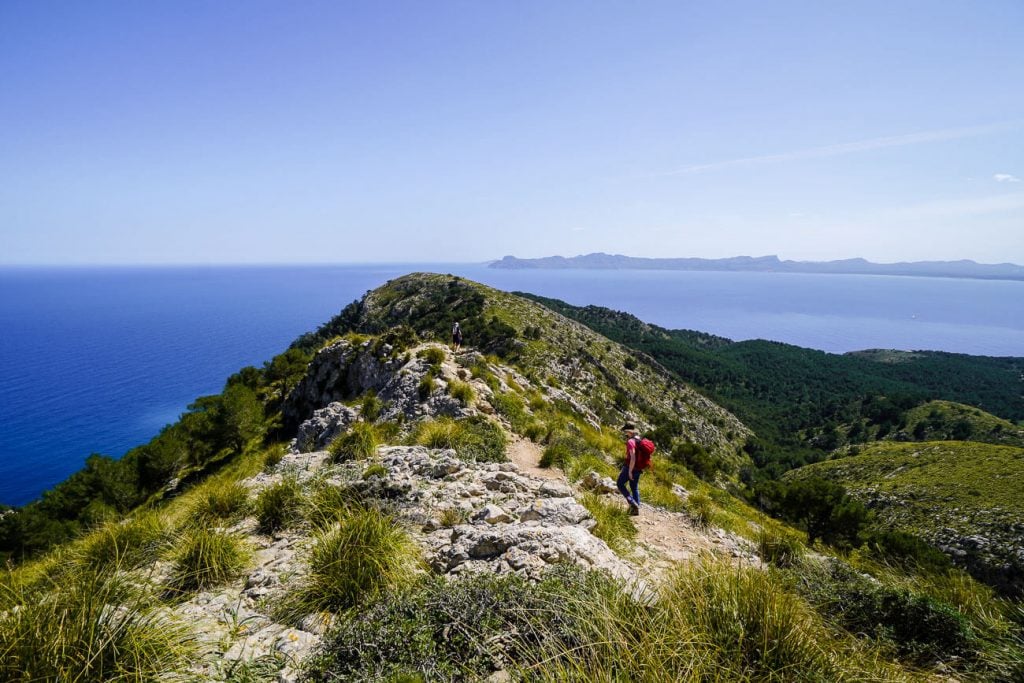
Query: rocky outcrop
column 343, row 372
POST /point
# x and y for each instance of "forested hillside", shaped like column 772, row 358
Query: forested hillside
column 803, row 403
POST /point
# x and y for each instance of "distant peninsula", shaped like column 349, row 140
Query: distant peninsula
column 771, row 264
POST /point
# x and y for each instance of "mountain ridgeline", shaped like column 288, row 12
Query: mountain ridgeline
column 375, row 504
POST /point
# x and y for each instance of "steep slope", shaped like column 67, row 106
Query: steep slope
column 962, row 497
column 801, row 402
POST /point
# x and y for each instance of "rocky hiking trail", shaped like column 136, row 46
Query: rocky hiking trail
column 664, row 538
column 515, row 517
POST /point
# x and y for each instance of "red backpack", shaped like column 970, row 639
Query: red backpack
column 643, row 448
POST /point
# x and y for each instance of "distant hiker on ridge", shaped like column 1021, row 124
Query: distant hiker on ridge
column 456, row 336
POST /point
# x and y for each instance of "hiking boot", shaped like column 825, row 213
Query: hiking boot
column 634, row 510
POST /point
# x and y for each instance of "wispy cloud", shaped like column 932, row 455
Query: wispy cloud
column 1005, row 178
column 848, row 148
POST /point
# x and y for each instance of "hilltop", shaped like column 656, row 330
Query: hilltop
column 373, row 504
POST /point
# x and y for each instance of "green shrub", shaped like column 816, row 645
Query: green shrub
column 87, row 626
column 434, row 355
column 614, row 526
column 908, row 551
column 461, row 391
column 207, row 557
column 447, row 630
column 779, row 549
column 701, row 509
column 358, row 443
column 476, row 439
column 370, row 407
column 918, row 627
column 366, row 554
column 279, row 506
column 711, row 622
column 426, row 386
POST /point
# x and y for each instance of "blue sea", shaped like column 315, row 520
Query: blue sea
column 98, row 360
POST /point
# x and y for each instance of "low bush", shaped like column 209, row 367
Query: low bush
column 919, row 628
column 461, row 391
column 908, row 551
column 444, row 630
column 207, row 557
column 701, row 509
column 434, row 355
column 358, row 443
column 279, row 506
column 710, row 622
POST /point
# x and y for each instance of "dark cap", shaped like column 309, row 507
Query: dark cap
column 629, row 426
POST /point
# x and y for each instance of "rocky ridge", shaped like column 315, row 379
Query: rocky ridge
column 509, row 521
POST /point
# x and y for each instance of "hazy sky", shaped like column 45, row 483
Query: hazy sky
column 155, row 132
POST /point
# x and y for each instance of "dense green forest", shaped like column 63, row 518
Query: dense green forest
column 803, row 403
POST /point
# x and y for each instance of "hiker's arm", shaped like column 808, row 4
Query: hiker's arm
column 631, row 455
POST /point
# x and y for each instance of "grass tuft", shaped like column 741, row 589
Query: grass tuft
column 476, row 439
column 461, row 391
column 206, row 558
column 614, row 526
column 355, row 561
column 279, row 506
column 87, row 626
column 127, row 544
column 220, row 500
column 701, row 509
column 359, row 443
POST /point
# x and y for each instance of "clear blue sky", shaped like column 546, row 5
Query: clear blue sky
column 227, row 132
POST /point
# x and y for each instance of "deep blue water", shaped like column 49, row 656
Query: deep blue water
column 98, row 360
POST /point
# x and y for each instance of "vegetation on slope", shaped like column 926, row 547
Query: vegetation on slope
column 802, row 403
column 962, row 496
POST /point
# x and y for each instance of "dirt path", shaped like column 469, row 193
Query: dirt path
column 663, row 538
column 526, row 455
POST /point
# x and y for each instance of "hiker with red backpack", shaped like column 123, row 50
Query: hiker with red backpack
column 638, row 459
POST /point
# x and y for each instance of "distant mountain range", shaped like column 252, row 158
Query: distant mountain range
column 772, row 264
